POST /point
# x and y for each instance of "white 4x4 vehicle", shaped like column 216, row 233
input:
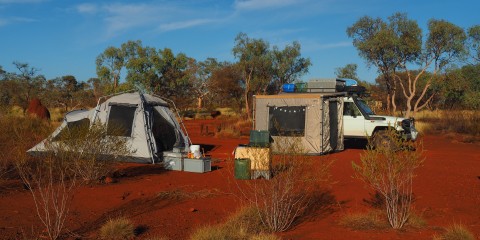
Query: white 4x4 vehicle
column 359, row 121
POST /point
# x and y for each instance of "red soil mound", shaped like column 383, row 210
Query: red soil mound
column 35, row 108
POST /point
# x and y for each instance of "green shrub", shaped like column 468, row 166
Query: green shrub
column 117, row 229
column 389, row 169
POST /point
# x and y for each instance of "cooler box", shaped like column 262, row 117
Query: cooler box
column 199, row 165
column 173, row 163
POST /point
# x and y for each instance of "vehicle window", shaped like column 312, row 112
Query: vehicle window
column 120, row 120
column 287, row 121
column 364, row 107
column 349, row 109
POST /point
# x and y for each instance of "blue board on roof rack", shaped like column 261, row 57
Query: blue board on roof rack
column 288, row 87
column 349, row 82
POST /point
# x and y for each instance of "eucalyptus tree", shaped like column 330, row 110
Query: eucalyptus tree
column 28, row 84
column 109, row 66
column 474, row 42
column 288, row 65
column 265, row 70
column 255, row 63
column 397, row 45
column 348, row 71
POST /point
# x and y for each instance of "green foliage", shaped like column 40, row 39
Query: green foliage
column 288, row 66
column 456, row 232
column 397, row 44
column 389, row 169
column 264, row 70
column 474, row 42
column 349, row 71
column 117, row 229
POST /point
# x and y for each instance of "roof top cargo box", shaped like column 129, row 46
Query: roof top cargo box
column 325, row 85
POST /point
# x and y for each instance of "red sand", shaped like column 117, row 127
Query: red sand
column 447, row 191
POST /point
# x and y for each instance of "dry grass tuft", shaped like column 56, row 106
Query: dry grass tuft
column 442, row 122
column 117, row 229
column 416, row 221
column 372, row 220
column 179, row 194
column 243, row 225
column 456, row 232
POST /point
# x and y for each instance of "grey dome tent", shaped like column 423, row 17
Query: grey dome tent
column 150, row 127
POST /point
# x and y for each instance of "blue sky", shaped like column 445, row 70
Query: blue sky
column 64, row 37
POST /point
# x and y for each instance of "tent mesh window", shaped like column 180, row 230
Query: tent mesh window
column 120, row 120
column 164, row 133
column 287, row 121
column 65, row 133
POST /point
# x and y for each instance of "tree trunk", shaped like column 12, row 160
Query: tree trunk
column 199, row 103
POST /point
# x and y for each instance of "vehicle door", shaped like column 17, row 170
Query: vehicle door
column 353, row 120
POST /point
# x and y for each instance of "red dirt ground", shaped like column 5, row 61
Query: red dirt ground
column 447, row 191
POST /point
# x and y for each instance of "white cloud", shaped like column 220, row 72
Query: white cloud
column 12, row 20
column 184, row 24
column 21, row 1
column 309, row 45
column 124, row 17
column 262, row 4
column 87, row 8
column 119, row 18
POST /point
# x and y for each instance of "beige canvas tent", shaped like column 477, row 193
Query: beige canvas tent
column 150, row 127
column 313, row 119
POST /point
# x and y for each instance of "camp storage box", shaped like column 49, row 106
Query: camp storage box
column 260, row 158
column 173, row 163
column 199, row 165
column 259, row 138
column 288, row 87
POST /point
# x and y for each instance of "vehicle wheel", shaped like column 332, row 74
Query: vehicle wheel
column 382, row 140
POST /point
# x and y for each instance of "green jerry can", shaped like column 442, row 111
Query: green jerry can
column 242, row 168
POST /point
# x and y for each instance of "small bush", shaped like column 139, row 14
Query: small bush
column 293, row 188
column 18, row 134
column 372, row 220
column 389, row 169
column 416, row 221
column 456, row 232
column 243, row 225
column 87, row 147
column 117, row 229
